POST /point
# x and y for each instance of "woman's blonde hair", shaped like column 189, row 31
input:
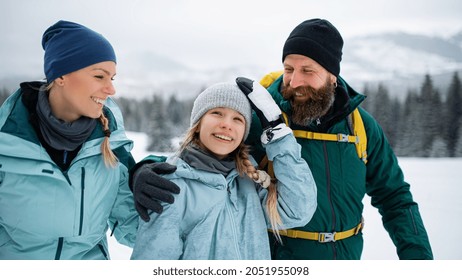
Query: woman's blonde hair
column 109, row 157
column 243, row 166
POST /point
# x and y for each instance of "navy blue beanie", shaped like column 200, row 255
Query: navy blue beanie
column 319, row 40
column 70, row 46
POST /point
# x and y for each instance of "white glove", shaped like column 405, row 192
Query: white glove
column 266, row 109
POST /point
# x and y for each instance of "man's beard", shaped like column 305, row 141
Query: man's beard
column 316, row 106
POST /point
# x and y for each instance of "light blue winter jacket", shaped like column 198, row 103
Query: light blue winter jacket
column 46, row 213
column 218, row 217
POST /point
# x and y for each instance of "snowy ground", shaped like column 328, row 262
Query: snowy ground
column 434, row 184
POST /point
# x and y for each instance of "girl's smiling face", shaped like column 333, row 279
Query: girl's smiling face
column 221, row 130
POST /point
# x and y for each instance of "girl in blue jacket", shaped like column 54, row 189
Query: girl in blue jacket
column 64, row 155
column 220, row 212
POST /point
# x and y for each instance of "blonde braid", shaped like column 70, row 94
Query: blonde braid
column 110, row 159
column 261, row 177
column 272, row 205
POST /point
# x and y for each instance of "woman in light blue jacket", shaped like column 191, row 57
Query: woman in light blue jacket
column 220, row 213
column 64, row 155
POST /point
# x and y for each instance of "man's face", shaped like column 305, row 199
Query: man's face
column 309, row 87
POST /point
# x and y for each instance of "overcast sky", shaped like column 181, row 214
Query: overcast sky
column 209, row 33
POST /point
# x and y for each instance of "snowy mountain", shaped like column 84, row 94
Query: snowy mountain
column 400, row 60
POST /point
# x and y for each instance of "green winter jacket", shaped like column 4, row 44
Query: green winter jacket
column 342, row 181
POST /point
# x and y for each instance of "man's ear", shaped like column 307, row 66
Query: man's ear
column 333, row 80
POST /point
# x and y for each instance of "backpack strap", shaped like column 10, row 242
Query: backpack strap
column 358, row 138
column 339, row 137
column 360, row 132
column 269, row 78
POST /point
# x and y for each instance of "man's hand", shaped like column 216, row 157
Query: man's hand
column 266, row 109
column 149, row 188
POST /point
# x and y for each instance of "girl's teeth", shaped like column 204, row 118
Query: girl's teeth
column 223, row 137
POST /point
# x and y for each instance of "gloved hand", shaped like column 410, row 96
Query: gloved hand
column 149, row 188
column 266, row 109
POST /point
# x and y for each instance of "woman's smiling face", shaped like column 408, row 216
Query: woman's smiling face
column 83, row 92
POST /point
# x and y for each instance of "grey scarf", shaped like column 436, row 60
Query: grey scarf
column 199, row 159
column 57, row 133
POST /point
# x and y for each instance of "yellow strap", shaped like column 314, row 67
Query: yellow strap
column 359, row 138
column 268, row 79
column 325, row 136
column 322, row 236
column 360, row 132
column 322, row 136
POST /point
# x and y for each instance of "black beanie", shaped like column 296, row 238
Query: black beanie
column 319, row 40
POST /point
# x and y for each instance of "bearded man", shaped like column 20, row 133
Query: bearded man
column 313, row 96
column 316, row 99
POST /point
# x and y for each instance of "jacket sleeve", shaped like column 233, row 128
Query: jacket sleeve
column 391, row 195
column 297, row 193
column 160, row 238
column 123, row 220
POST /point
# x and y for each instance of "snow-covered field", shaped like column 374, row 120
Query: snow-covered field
column 436, row 186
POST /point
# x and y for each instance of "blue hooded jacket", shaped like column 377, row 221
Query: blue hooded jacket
column 218, row 217
column 47, row 213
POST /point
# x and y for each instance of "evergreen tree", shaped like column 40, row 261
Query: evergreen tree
column 368, row 104
column 395, row 124
column 411, row 128
column 144, row 113
column 431, row 114
column 382, row 112
column 135, row 113
column 175, row 110
column 439, row 148
column 454, row 114
column 178, row 114
column 458, row 145
column 160, row 135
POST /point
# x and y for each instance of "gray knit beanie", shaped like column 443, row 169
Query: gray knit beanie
column 222, row 95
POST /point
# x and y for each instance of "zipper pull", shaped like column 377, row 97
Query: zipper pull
column 65, row 157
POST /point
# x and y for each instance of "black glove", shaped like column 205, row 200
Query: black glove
column 266, row 109
column 149, row 188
